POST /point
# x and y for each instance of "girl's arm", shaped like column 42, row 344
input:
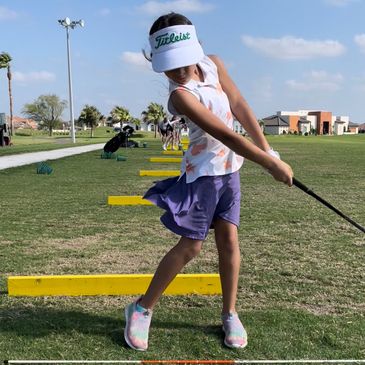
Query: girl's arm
column 239, row 107
column 187, row 104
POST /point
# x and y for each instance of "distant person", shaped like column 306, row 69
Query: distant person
column 172, row 127
column 166, row 130
column 207, row 194
column 178, row 128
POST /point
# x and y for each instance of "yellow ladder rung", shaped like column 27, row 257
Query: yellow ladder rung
column 165, row 159
column 127, row 284
column 176, row 153
column 159, row 173
column 127, row 200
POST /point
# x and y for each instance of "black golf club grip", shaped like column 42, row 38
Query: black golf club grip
column 301, row 186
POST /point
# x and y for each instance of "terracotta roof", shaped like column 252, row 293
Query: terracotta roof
column 20, row 122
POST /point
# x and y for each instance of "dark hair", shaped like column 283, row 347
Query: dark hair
column 169, row 20
column 164, row 21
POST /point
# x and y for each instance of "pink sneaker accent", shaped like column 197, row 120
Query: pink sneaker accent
column 235, row 334
column 137, row 327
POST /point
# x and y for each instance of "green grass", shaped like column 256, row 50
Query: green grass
column 33, row 141
column 302, row 282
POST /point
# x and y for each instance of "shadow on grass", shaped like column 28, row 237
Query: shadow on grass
column 296, row 334
column 42, row 322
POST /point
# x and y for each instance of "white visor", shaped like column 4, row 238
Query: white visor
column 174, row 47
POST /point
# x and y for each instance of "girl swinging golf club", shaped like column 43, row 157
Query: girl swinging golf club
column 207, row 193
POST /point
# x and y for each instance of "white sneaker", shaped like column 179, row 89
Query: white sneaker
column 235, row 334
column 137, row 327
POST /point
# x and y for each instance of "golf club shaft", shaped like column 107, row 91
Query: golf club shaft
column 301, row 186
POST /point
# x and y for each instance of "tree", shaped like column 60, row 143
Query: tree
column 46, row 110
column 154, row 114
column 90, row 116
column 261, row 124
column 119, row 115
column 136, row 122
column 5, row 60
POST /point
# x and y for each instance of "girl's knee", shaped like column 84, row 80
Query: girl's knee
column 231, row 246
column 194, row 249
column 190, row 248
column 227, row 243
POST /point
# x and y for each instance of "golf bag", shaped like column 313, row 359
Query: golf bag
column 128, row 130
column 120, row 140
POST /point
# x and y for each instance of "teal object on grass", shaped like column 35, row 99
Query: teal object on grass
column 44, row 169
column 107, row 155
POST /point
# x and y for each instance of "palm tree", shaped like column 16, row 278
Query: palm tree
column 119, row 115
column 5, row 60
column 136, row 122
column 90, row 116
column 154, row 114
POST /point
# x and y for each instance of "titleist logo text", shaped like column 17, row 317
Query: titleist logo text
column 167, row 38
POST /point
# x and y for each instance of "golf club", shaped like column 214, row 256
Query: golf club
column 301, row 186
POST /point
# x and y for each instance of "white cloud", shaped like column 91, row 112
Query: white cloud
column 34, row 76
column 104, row 12
column 180, row 6
column 339, row 3
column 317, row 81
column 360, row 41
column 135, row 58
column 7, row 14
column 291, row 48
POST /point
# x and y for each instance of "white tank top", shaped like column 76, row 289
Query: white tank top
column 206, row 156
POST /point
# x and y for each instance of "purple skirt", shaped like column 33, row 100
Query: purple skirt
column 192, row 208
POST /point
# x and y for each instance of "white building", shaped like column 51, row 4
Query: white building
column 306, row 121
column 237, row 127
column 275, row 124
column 340, row 124
column 145, row 127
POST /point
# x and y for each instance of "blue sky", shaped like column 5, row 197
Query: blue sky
column 282, row 54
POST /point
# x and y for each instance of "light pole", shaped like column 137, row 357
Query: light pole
column 67, row 23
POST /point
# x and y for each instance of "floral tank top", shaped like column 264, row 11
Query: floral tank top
column 207, row 156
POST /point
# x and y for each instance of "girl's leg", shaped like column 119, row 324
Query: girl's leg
column 168, row 140
column 138, row 314
column 229, row 265
column 226, row 238
column 171, row 264
column 163, row 138
column 176, row 139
